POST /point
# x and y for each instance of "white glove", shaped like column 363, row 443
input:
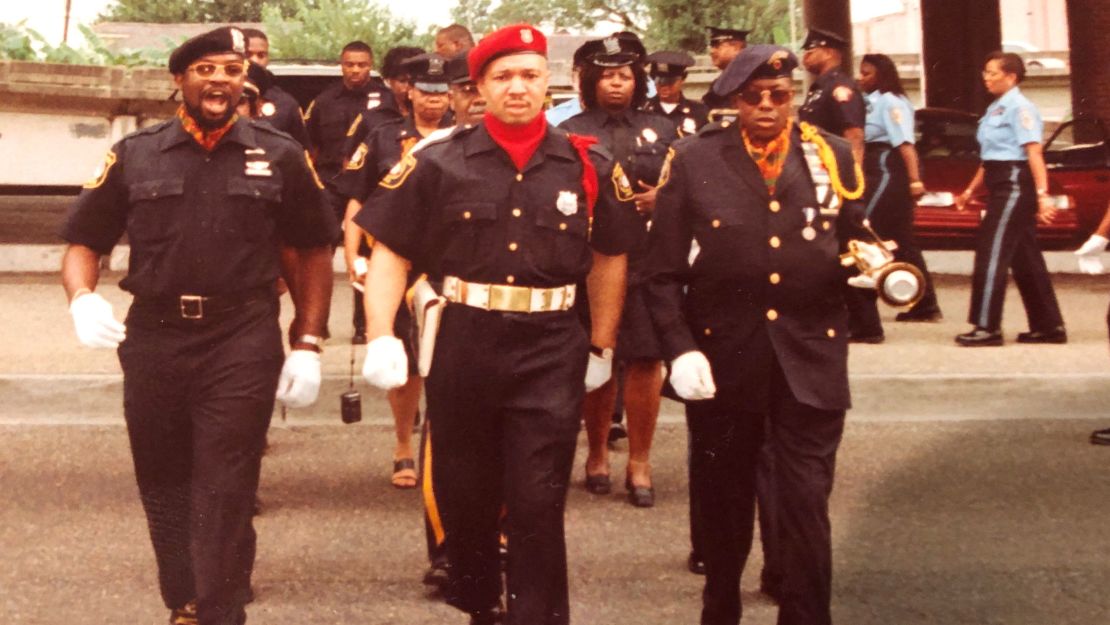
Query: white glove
column 862, row 281
column 1096, row 244
column 299, row 383
column 386, row 365
column 598, row 371
column 1090, row 265
column 691, row 377
column 95, row 324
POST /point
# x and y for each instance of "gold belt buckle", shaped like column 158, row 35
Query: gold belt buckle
column 510, row 298
column 192, row 307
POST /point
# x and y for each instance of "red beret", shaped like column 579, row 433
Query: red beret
column 508, row 40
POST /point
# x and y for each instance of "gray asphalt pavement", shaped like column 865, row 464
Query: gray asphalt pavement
column 966, row 492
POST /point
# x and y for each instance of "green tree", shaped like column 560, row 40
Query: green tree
column 317, row 30
column 584, row 15
column 193, row 11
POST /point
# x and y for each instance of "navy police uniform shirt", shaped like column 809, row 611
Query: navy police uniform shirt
column 283, row 112
column 638, row 140
column 764, row 282
column 373, row 158
column 330, row 116
column 687, row 115
column 459, row 207
column 889, row 119
column 834, row 103
column 1011, row 122
column 198, row 222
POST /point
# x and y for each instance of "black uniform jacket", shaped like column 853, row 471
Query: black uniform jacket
column 373, row 157
column 757, row 290
column 688, row 116
column 714, row 101
column 329, row 118
column 202, row 223
column 459, row 207
column 834, row 103
column 284, row 114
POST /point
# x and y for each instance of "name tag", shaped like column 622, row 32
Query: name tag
column 259, row 168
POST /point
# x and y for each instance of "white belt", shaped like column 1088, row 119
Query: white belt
column 508, row 298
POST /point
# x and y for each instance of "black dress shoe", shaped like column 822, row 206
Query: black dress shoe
column 599, row 484
column 923, row 316
column 616, row 432
column 1100, row 437
column 871, row 339
column 695, row 564
column 492, row 616
column 979, row 337
column 1056, row 335
column 437, row 575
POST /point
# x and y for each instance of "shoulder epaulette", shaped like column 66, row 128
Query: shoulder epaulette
column 150, row 130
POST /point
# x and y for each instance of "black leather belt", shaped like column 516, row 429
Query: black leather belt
column 195, row 307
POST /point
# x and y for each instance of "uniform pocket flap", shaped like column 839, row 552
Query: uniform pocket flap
column 556, row 220
column 154, row 189
column 261, row 189
column 470, row 211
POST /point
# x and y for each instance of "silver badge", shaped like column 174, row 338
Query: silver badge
column 689, row 126
column 567, row 203
column 649, row 135
column 238, row 42
column 612, row 46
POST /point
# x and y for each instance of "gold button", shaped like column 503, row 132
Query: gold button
column 825, row 225
column 716, row 223
column 517, row 212
column 708, row 331
column 563, row 226
column 775, row 278
column 519, row 177
column 772, row 314
column 775, row 206
column 831, row 333
column 510, row 279
column 466, row 214
column 775, row 242
column 512, row 247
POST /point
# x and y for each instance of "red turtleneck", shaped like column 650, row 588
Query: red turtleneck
column 519, row 141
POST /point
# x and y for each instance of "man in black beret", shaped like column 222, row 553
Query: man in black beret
column 724, row 45
column 753, row 324
column 668, row 70
column 208, row 201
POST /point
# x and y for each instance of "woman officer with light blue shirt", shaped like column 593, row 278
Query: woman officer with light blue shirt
column 893, row 178
column 1013, row 171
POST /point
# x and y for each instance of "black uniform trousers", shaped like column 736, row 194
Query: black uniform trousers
column 725, row 447
column 1007, row 240
column 198, row 396
column 504, row 398
column 890, row 209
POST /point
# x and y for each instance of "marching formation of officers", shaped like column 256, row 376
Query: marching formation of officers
column 522, row 276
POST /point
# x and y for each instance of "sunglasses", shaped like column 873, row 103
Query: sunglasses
column 754, row 97
column 207, row 70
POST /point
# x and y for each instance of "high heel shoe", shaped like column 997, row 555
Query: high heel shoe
column 639, row 496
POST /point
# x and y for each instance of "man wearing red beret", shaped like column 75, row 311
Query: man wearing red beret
column 509, row 216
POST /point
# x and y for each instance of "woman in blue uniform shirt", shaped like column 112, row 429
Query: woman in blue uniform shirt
column 893, row 177
column 1016, row 181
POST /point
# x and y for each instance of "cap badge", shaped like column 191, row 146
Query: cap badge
column 777, row 58
column 612, row 46
column 238, row 42
column 567, row 203
column 526, row 35
column 435, row 66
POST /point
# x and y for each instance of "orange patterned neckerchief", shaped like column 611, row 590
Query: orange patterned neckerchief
column 771, row 158
column 206, row 139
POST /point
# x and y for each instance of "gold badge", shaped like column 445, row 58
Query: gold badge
column 101, row 173
column 842, row 93
column 526, row 35
column 358, row 159
column 621, row 184
column 665, row 172
column 396, row 176
column 312, row 168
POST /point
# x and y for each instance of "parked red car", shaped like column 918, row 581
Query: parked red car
column 949, row 156
column 1078, row 159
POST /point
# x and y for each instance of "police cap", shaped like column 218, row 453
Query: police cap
column 457, row 71
column 758, row 61
column 226, row 39
column 668, row 66
column 721, row 35
column 617, row 50
column 428, row 72
column 515, row 39
column 817, row 38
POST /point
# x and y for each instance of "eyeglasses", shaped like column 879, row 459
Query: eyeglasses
column 754, row 97
column 208, row 70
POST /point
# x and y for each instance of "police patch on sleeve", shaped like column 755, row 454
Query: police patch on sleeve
column 354, row 125
column 358, row 159
column 896, row 115
column 1026, row 119
column 842, row 93
column 396, row 176
column 621, row 184
column 665, row 172
column 312, row 168
column 101, row 173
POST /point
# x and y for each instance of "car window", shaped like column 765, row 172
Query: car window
column 947, row 138
column 1078, row 143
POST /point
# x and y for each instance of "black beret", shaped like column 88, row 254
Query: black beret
column 427, row 72
column 227, row 39
column 458, row 72
column 758, row 61
column 718, row 35
column 817, row 38
column 617, row 50
column 669, row 64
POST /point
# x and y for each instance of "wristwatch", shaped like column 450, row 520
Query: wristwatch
column 317, row 342
column 606, row 353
